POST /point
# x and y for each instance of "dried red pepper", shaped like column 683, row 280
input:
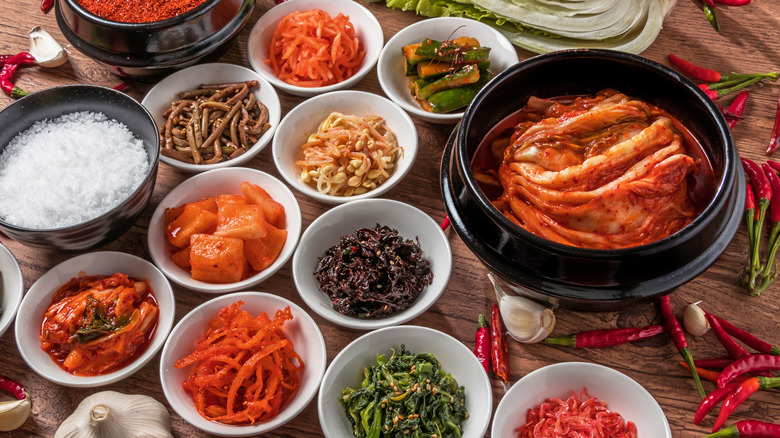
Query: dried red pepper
column 748, row 429
column 499, row 351
column 749, row 364
column 7, row 74
column 740, row 394
column 774, row 139
column 712, row 399
column 482, row 343
column 737, row 107
column 678, row 339
column 606, row 337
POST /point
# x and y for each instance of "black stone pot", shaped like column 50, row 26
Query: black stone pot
column 145, row 51
column 578, row 278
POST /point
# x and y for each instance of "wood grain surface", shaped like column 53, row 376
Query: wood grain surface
column 748, row 42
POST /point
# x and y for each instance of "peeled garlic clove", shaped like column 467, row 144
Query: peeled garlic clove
column 694, row 320
column 526, row 320
column 45, row 49
column 14, row 413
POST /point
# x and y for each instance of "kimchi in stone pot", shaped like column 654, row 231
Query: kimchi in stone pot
column 593, row 179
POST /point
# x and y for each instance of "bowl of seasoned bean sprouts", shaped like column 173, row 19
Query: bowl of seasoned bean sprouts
column 345, row 145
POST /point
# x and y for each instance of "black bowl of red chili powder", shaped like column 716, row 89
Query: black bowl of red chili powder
column 585, row 278
column 149, row 38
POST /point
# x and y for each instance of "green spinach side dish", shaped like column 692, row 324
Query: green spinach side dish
column 406, row 396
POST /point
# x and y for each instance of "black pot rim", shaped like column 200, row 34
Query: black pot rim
column 720, row 196
column 152, row 172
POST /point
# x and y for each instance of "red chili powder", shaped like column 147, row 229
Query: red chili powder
column 138, row 11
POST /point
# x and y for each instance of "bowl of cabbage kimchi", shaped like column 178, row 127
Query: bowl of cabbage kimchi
column 95, row 319
column 593, row 179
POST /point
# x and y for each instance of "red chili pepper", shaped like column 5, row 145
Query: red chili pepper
column 740, row 394
column 678, row 338
column 710, row 375
column 121, row 86
column 29, row 60
column 734, row 349
column 774, row 235
column 445, row 223
column 715, row 362
column 46, row 5
column 693, row 70
column 749, row 364
column 747, row 338
column 733, row 2
column 763, row 191
column 9, row 385
column 7, row 74
column 711, row 15
column 606, row 337
column 748, row 429
column 482, row 342
column 499, row 351
column 774, row 165
column 774, row 140
column 737, row 107
column 712, row 399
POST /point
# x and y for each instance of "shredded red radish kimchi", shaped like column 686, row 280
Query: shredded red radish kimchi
column 579, row 416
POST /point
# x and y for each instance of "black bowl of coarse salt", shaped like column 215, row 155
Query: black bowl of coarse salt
column 77, row 165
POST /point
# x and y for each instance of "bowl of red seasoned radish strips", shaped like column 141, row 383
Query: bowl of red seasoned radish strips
column 248, row 391
column 593, row 399
column 310, row 47
column 224, row 230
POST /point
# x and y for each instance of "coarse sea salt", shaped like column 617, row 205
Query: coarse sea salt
column 65, row 171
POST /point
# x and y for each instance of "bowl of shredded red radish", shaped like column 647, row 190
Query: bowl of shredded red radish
column 310, row 47
column 589, row 399
column 80, row 162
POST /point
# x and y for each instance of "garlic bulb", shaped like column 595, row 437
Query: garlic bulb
column 526, row 320
column 45, row 49
column 694, row 320
column 115, row 415
column 14, row 413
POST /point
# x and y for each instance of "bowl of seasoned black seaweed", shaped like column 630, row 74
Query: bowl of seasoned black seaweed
column 372, row 263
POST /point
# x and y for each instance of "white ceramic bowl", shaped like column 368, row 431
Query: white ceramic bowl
column 11, row 288
column 327, row 230
column 160, row 97
column 301, row 330
column 621, row 393
column 367, row 29
column 304, row 119
column 214, row 183
column 346, row 370
column 38, row 299
column 390, row 68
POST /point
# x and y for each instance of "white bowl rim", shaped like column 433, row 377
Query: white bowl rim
column 274, row 114
column 291, row 5
column 484, row 380
column 219, row 288
column 577, row 365
column 451, row 117
column 11, row 299
column 160, row 336
column 410, row 151
column 244, row 430
column 397, row 317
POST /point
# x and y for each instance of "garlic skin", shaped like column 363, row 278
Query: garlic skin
column 526, row 320
column 694, row 320
column 45, row 49
column 115, row 415
column 14, row 413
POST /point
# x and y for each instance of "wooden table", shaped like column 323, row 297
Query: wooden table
column 749, row 41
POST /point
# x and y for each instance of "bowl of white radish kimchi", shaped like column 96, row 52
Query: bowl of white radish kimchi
column 593, row 179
